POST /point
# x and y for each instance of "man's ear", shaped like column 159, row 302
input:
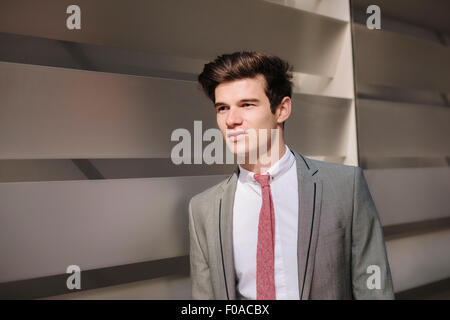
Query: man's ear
column 284, row 110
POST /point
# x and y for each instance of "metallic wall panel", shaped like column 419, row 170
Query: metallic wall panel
column 164, row 288
column 409, row 195
column 417, row 12
column 398, row 26
column 75, row 169
column 396, row 94
column 317, row 125
column 374, row 162
column 419, row 260
column 397, row 231
column 39, row 170
column 75, row 55
column 47, row 226
column 64, row 113
column 386, row 58
column 191, row 28
column 95, row 278
column 336, row 9
column 388, row 129
column 49, row 113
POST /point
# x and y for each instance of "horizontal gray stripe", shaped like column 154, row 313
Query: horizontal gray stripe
column 390, row 59
column 93, row 279
column 403, row 162
column 439, row 290
column 88, row 169
column 415, row 228
column 397, row 94
column 82, row 56
column 80, row 169
column 395, row 18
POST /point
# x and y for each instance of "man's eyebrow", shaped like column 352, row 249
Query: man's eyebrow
column 217, row 104
column 249, row 100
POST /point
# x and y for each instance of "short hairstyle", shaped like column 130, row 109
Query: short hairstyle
column 241, row 65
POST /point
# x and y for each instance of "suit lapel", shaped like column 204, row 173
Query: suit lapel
column 224, row 245
column 310, row 198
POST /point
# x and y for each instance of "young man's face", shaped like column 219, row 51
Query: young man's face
column 242, row 105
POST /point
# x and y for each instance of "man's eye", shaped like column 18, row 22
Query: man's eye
column 247, row 104
column 220, row 109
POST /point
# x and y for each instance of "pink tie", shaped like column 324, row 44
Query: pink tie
column 265, row 275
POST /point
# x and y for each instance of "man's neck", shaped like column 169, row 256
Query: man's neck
column 260, row 167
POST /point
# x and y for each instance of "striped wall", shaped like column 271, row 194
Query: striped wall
column 402, row 89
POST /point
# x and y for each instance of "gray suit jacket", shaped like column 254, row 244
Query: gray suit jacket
column 339, row 236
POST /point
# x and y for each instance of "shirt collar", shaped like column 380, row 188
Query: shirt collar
column 275, row 171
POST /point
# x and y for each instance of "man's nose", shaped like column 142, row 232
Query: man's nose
column 234, row 117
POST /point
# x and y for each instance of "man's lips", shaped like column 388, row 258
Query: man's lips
column 234, row 134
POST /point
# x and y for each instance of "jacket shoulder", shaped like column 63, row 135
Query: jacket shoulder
column 340, row 177
column 206, row 198
column 334, row 170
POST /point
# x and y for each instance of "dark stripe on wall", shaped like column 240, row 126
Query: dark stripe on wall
column 439, row 290
column 399, row 26
column 402, row 95
column 415, row 228
column 81, row 169
column 403, row 162
column 416, row 14
column 88, row 169
column 81, row 56
column 93, row 279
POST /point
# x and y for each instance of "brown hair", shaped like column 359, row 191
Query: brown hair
column 240, row 65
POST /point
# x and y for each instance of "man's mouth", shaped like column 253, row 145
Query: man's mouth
column 233, row 136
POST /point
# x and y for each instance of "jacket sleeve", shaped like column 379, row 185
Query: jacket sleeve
column 371, row 276
column 200, row 272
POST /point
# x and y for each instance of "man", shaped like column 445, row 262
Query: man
column 290, row 228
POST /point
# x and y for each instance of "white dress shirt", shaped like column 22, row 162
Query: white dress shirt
column 247, row 205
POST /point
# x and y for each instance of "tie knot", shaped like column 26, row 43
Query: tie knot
column 262, row 179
